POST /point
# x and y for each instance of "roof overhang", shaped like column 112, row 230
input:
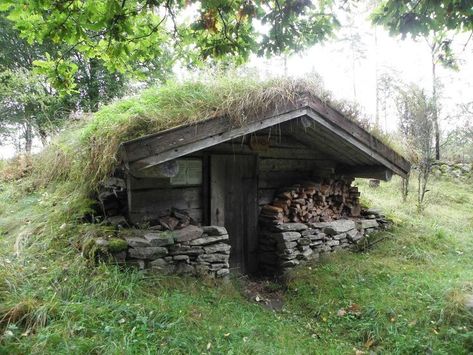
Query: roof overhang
column 320, row 124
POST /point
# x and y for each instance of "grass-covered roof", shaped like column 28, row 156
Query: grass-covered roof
column 87, row 151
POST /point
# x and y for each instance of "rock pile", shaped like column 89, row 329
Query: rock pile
column 283, row 246
column 190, row 250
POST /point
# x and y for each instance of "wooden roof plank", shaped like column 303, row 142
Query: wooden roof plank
column 355, row 142
column 357, row 132
column 204, row 138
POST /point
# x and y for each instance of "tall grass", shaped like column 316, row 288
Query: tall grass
column 405, row 295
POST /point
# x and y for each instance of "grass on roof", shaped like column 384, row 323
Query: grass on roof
column 86, row 152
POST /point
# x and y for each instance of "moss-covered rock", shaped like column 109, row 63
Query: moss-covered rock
column 100, row 248
column 116, row 245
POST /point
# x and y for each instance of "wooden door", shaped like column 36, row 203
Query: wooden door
column 233, row 204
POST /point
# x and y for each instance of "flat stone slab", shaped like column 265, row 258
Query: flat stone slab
column 187, row 234
column 335, row 227
column 136, row 242
column 286, row 236
column 149, row 253
column 214, row 230
column 186, row 250
column 367, row 223
column 159, row 239
column 217, row 248
column 159, row 262
column 340, row 236
column 208, row 240
column 181, row 258
column 307, row 254
column 213, row 258
column 219, row 266
column 291, row 227
column 184, row 268
column 318, row 236
column 374, row 211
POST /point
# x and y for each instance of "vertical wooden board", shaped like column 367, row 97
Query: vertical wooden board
column 128, row 195
column 233, row 199
column 234, row 212
column 206, row 189
column 217, row 187
column 250, row 184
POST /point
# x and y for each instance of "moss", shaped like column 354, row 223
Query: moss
column 94, row 248
column 116, row 245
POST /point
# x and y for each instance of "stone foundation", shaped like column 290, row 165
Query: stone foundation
column 284, row 246
column 191, row 250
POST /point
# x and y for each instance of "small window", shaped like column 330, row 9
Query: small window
column 189, row 173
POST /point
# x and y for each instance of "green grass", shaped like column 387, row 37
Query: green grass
column 408, row 289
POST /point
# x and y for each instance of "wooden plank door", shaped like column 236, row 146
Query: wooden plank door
column 233, row 204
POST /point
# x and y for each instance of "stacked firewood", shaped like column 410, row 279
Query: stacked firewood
column 313, row 202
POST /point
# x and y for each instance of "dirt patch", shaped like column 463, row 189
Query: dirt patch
column 268, row 293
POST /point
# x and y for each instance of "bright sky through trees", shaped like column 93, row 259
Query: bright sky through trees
column 407, row 58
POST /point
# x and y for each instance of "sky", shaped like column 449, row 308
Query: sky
column 409, row 59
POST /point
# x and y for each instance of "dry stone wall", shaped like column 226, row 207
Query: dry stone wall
column 460, row 171
column 190, row 250
column 284, row 246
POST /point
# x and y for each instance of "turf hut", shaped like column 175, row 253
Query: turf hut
column 273, row 183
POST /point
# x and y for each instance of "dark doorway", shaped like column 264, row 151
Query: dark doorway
column 233, row 204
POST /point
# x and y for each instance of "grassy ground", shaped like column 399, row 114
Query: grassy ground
column 405, row 295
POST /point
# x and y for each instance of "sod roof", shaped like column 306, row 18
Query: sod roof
column 88, row 152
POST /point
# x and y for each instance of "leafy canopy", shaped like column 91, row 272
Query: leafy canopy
column 126, row 33
column 28, row 102
column 420, row 17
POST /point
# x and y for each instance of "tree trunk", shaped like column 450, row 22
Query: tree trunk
column 28, row 137
column 405, row 187
column 376, row 78
column 435, row 113
column 353, row 68
column 93, row 90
